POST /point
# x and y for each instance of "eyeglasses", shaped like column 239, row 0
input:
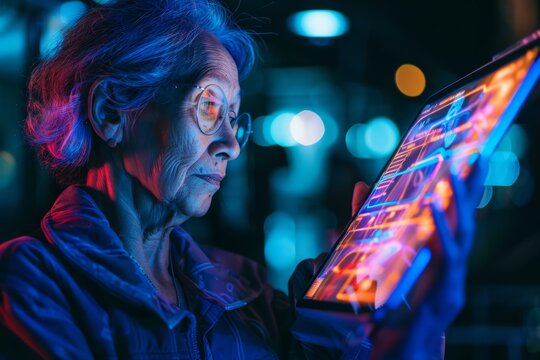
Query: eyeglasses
column 213, row 108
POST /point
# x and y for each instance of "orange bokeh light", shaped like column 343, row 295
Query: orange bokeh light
column 410, row 80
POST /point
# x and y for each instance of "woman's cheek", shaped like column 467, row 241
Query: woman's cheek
column 176, row 164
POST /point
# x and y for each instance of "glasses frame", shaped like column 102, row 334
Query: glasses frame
column 233, row 120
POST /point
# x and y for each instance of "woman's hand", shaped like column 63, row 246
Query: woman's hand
column 332, row 340
column 447, row 297
column 445, row 300
column 307, row 268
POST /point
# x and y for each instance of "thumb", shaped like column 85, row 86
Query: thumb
column 302, row 275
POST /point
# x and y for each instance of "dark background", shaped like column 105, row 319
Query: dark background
column 303, row 195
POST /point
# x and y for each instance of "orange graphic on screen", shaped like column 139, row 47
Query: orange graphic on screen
column 396, row 221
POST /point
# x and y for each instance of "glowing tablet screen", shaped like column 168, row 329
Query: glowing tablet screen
column 395, row 222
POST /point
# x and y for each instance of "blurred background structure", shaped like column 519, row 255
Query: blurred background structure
column 337, row 84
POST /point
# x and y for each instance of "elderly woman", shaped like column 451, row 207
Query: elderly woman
column 138, row 113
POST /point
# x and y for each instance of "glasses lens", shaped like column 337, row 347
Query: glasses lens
column 242, row 129
column 211, row 109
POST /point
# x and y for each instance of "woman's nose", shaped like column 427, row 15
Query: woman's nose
column 224, row 145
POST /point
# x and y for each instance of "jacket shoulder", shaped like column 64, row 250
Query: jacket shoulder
column 23, row 253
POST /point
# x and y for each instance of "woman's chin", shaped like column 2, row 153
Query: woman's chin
column 195, row 205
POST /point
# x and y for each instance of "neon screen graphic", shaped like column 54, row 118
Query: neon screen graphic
column 392, row 228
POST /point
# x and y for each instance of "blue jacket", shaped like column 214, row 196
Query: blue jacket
column 72, row 291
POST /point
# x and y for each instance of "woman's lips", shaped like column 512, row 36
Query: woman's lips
column 214, row 179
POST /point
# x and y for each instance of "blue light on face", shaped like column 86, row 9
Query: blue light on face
column 319, row 23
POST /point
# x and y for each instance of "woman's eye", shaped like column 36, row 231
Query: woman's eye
column 211, row 108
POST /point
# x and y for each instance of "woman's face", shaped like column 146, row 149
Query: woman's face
column 166, row 151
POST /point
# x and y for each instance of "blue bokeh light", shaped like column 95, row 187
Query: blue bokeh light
column 261, row 137
column 279, row 126
column 279, row 244
column 319, row 23
column 376, row 139
column 518, row 137
column 381, row 136
column 71, row 11
column 503, row 169
column 57, row 22
column 486, row 197
column 354, row 140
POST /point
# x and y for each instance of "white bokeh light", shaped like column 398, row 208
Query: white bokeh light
column 307, row 128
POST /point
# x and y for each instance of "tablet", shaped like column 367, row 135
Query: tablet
column 387, row 246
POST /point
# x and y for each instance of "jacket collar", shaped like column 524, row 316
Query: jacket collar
column 79, row 230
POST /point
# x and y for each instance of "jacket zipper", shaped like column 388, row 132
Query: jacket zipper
column 144, row 273
column 194, row 345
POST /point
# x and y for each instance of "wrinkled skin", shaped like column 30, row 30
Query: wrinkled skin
column 152, row 173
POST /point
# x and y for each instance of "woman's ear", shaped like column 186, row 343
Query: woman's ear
column 107, row 123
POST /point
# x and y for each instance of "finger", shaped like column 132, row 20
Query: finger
column 360, row 193
column 318, row 262
column 445, row 235
column 300, row 278
column 465, row 210
column 476, row 179
column 462, row 198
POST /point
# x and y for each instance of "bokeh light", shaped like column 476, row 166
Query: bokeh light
column 381, row 136
column 58, row 20
column 280, row 124
column 518, row 137
column 260, row 136
column 503, row 169
column 279, row 245
column 486, row 197
column 410, row 80
column 71, row 11
column 515, row 141
column 331, row 130
column 7, row 169
column 376, row 139
column 354, row 140
column 12, row 38
column 307, row 128
column 7, row 17
column 318, row 23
